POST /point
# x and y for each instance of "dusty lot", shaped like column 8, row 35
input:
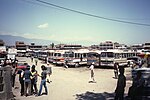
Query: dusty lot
column 72, row 83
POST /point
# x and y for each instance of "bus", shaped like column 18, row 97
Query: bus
column 110, row 57
column 3, row 53
column 50, row 56
column 59, row 57
column 76, row 58
column 42, row 55
column 12, row 52
column 94, row 56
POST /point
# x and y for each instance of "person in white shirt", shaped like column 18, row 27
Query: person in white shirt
column 92, row 80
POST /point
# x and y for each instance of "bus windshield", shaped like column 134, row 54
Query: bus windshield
column 107, row 54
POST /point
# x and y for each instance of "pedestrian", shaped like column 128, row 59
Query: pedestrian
column 14, row 72
column 34, row 80
column 49, row 72
column 36, row 61
column 43, row 80
column 92, row 80
column 116, row 70
column 27, row 81
column 21, row 80
column 136, row 90
column 65, row 64
column 121, row 83
column 31, row 58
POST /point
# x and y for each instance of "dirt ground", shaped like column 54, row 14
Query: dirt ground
column 72, row 84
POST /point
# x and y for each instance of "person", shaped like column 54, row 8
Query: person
column 36, row 61
column 121, row 84
column 135, row 91
column 27, row 81
column 148, row 61
column 65, row 64
column 34, row 80
column 14, row 72
column 43, row 80
column 92, row 73
column 49, row 72
column 21, row 72
column 116, row 70
column 31, row 58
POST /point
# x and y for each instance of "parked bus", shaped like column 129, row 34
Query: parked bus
column 58, row 57
column 3, row 53
column 94, row 56
column 12, row 52
column 110, row 57
column 51, row 55
column 76, row 57
column 42, row 55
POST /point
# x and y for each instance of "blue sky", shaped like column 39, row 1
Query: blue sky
column 40, row 21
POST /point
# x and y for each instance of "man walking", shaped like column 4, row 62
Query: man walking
column 92, row 80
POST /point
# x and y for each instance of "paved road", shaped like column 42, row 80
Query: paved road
column 72, row 83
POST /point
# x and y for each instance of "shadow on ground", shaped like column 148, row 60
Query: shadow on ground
column 95, row 96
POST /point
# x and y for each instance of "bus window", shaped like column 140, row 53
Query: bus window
column 110, row 54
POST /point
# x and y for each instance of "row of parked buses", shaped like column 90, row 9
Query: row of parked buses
column 81, row 57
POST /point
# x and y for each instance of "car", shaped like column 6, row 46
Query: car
column 22, row 65
column 135, row 60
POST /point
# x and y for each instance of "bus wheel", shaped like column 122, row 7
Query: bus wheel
column 76, row 65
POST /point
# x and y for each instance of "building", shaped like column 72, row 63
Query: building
column 2, row 43
column 3, row 51
column 137, row 47
column 111, row 45
column 21, row 48
column 66, row 46
column 34, row 47
column 147, row 45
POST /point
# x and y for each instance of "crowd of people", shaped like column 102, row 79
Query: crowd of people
column 28, row 77
column 28, row 80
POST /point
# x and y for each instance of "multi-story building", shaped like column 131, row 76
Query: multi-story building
column 21, row 48
column 65, row 46
column 3, row 52
column 147, row 45
column 137, row 46
column 2, row 43
column 111, row 45
column 34, row 47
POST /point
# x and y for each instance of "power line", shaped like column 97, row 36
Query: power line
column 92, row 15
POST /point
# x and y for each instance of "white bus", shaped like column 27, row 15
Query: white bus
column 110, row 57
column 94, row 56
column 42, row 55
column 76, row 57
column 59, row 57
column 12, row 52
column 50, row 55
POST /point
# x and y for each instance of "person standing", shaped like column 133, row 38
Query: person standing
column 92, row 73
column 21, row 80
column 14, row 72
column 121, row 83
column 43, row 80
column 31, row 58
column 116, row 70
column 36, row 61
column 27, row 81
column 49, row 72
column 34, row 80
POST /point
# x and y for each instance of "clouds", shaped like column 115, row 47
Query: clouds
column 43, row 26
